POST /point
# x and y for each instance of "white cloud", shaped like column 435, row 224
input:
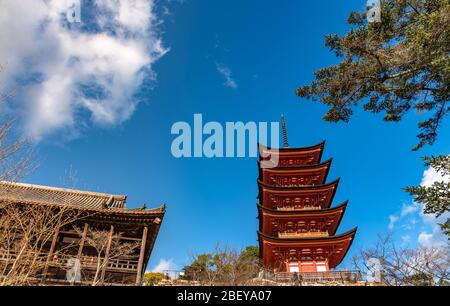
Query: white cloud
column 425, row 239
column 226, row 73
column 434, row 236
column 430, row 233
column 65, row 71
column 409, row 209
column 392, row 220
column 431, row 175
column 165, row 265
column 406, row 239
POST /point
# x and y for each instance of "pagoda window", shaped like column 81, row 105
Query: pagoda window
column 313, row 266
column 321, row 266
column 293, row 267
column 306, row 251
column 307, row 266
column 305, row 258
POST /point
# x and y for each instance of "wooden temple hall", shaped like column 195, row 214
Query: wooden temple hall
column 297, row 223
column 94, row 239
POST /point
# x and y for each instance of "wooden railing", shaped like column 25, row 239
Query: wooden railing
column 59, row 260
column 92, row 261
column 315, row 277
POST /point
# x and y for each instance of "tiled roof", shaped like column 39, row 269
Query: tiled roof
column 58, row 196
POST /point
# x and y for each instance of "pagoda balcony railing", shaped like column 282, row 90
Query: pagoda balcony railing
column 290, row 208
column 302, row 235
column 89, row 262
column 315, row 277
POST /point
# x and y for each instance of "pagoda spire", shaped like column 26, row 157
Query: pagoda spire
column 283, row 127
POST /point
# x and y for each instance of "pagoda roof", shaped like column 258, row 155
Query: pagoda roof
column 308, row 213
column 343, row 241
column 307, row 155
column 291, row 241
column 304, row 212
column 297, row 149
column 334, row 183
column 321, row 169
column 308, row 189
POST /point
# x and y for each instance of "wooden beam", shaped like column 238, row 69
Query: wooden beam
column 130, row 239
column 108, row 249
column 141, row 257
column 50, row 253
column 83, row 239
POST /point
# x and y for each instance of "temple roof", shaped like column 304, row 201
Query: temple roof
column 86, row 200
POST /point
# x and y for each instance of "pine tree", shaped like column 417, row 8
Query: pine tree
column 394, row 66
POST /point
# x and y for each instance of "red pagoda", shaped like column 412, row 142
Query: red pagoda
column 297, row 225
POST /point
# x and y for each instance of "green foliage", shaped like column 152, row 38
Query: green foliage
column 440, row 163
column 399, row 64
column 152, row 278
column 420, row 279
column 250, row 253
column 199, row 267
column 435, row 198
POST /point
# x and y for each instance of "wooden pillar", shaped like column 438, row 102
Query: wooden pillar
column 82, row 241
column 108, row 248
column 50, row 254
column 141, row 256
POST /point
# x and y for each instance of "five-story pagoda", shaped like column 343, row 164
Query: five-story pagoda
column 297, row 225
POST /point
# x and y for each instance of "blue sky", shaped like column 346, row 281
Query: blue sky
column 229, row 60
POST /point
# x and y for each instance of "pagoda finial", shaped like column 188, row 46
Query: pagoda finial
column 283, row 127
